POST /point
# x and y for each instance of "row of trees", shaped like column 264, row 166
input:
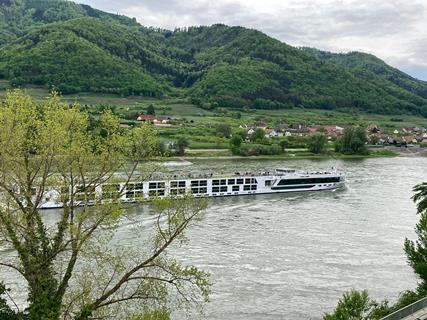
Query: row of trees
column 358, row 305
column 71, row 266
column 352, row 142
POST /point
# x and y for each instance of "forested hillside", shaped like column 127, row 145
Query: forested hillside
column 77, row 48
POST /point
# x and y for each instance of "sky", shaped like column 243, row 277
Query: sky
column 393, row 30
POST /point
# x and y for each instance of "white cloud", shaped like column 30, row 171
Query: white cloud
column 394, row 30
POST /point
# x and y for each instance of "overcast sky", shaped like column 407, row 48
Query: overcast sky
column 394, row 30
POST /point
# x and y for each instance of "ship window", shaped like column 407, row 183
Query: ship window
column 139, row 194
column 308, row 181
column 223, row 189
column 215, row 182
column 239, row 181
column 203, row 183
column 139, row 186
column 294, row 187
column 130, row 195
column 174, row 184
column 253, row 180
column 268, row 183
column 203, row 190
column 223, row 182
column 247, row 180
column 254, row 187
column 246, row 187
column 160, row 185
column 130, row 187
column 231, row 181
column 236, row 188
column 152, row 185
column 181, row 184
column 215, row 189
column 195, row 190
column 195, row 183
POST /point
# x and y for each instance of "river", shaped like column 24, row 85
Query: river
column 292, row 256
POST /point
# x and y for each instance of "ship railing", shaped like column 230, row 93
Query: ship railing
column 235, row 175
column 409, row 310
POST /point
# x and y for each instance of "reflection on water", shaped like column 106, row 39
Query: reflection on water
column 291, row 256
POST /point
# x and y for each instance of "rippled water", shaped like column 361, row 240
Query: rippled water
column 292, row 256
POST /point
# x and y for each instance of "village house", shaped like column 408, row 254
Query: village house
column 271, row 133
column 299, row 130
column 331, row 132
column 157, row 121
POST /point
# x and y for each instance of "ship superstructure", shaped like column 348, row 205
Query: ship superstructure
column 208, row 185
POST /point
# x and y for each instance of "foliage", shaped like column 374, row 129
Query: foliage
column 353, row 141
column 77, row 48
column 178, row 147
column 416, row 252
column 6, row 312
column 235, row 144
column 48, row 151
column 354, row 305
column 253, row 149
column 317, row 143
column 258, row 135
column 284, row 143
column 223, row 130
column 151, row 110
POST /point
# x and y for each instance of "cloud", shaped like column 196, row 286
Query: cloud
column 394, row 30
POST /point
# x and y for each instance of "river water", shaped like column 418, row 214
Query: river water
column 292, row 256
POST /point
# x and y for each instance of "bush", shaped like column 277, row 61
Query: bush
column 258, row 149
column 318, row 143
column 353, row 141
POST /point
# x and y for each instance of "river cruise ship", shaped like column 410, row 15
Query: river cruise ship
column 208, row 185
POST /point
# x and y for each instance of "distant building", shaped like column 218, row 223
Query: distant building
column 157, row 121
column 271, row 133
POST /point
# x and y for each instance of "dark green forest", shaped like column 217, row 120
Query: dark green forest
column 76, row 48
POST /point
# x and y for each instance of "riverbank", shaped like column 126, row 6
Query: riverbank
column 287, row 156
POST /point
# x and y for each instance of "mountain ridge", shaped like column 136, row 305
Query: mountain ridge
column 78, row 48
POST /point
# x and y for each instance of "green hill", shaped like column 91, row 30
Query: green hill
column 77, row 48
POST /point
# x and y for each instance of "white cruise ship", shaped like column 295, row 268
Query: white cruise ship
column 208, row 185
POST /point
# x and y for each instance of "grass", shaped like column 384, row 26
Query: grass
column 198, row 125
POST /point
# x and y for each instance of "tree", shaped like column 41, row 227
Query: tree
column 317, row 143
column 284, row 143
column 181, row 144
column 354, row 305
column 6, row 312
column 223, row 130
column 151, row 110
column 47, row 151
column 416, row 252
column 258, row 135
column 353, row 141
column 235, row 144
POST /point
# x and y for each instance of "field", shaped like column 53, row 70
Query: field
column 198, row 125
